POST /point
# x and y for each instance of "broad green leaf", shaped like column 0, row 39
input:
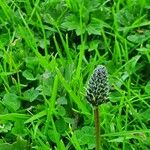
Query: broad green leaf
column 31, row 94
column 62, row 145
column 11, row 101
column 62, row 101
column 5, row 146
column 19, row 128
column 31, row 62
column 20, row 144
column 94, row 28
column 46, row 83
column 52, row 135
column 137, row 38
column 60, row 110
column 69, row 120
column 42, row 43
column 71, row 22
column 28, row 75
column 61, row 125
column 86, row 136
column 94, row 45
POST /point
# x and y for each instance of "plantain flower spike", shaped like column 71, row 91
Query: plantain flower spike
column 98, row 89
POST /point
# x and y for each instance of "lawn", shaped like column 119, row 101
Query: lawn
column 48, row 52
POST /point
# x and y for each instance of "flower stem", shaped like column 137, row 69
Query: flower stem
column 97, row 127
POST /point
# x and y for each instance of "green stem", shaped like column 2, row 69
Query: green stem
column 97, row 127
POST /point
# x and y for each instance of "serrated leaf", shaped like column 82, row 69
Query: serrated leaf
column 71, row 22
column 137, row 38
column 94, row 28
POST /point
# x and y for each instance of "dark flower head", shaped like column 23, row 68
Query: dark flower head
column 97, row 89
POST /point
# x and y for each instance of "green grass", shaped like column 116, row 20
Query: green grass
column 48, row 50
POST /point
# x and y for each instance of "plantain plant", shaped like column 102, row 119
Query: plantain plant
column 96, row 94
